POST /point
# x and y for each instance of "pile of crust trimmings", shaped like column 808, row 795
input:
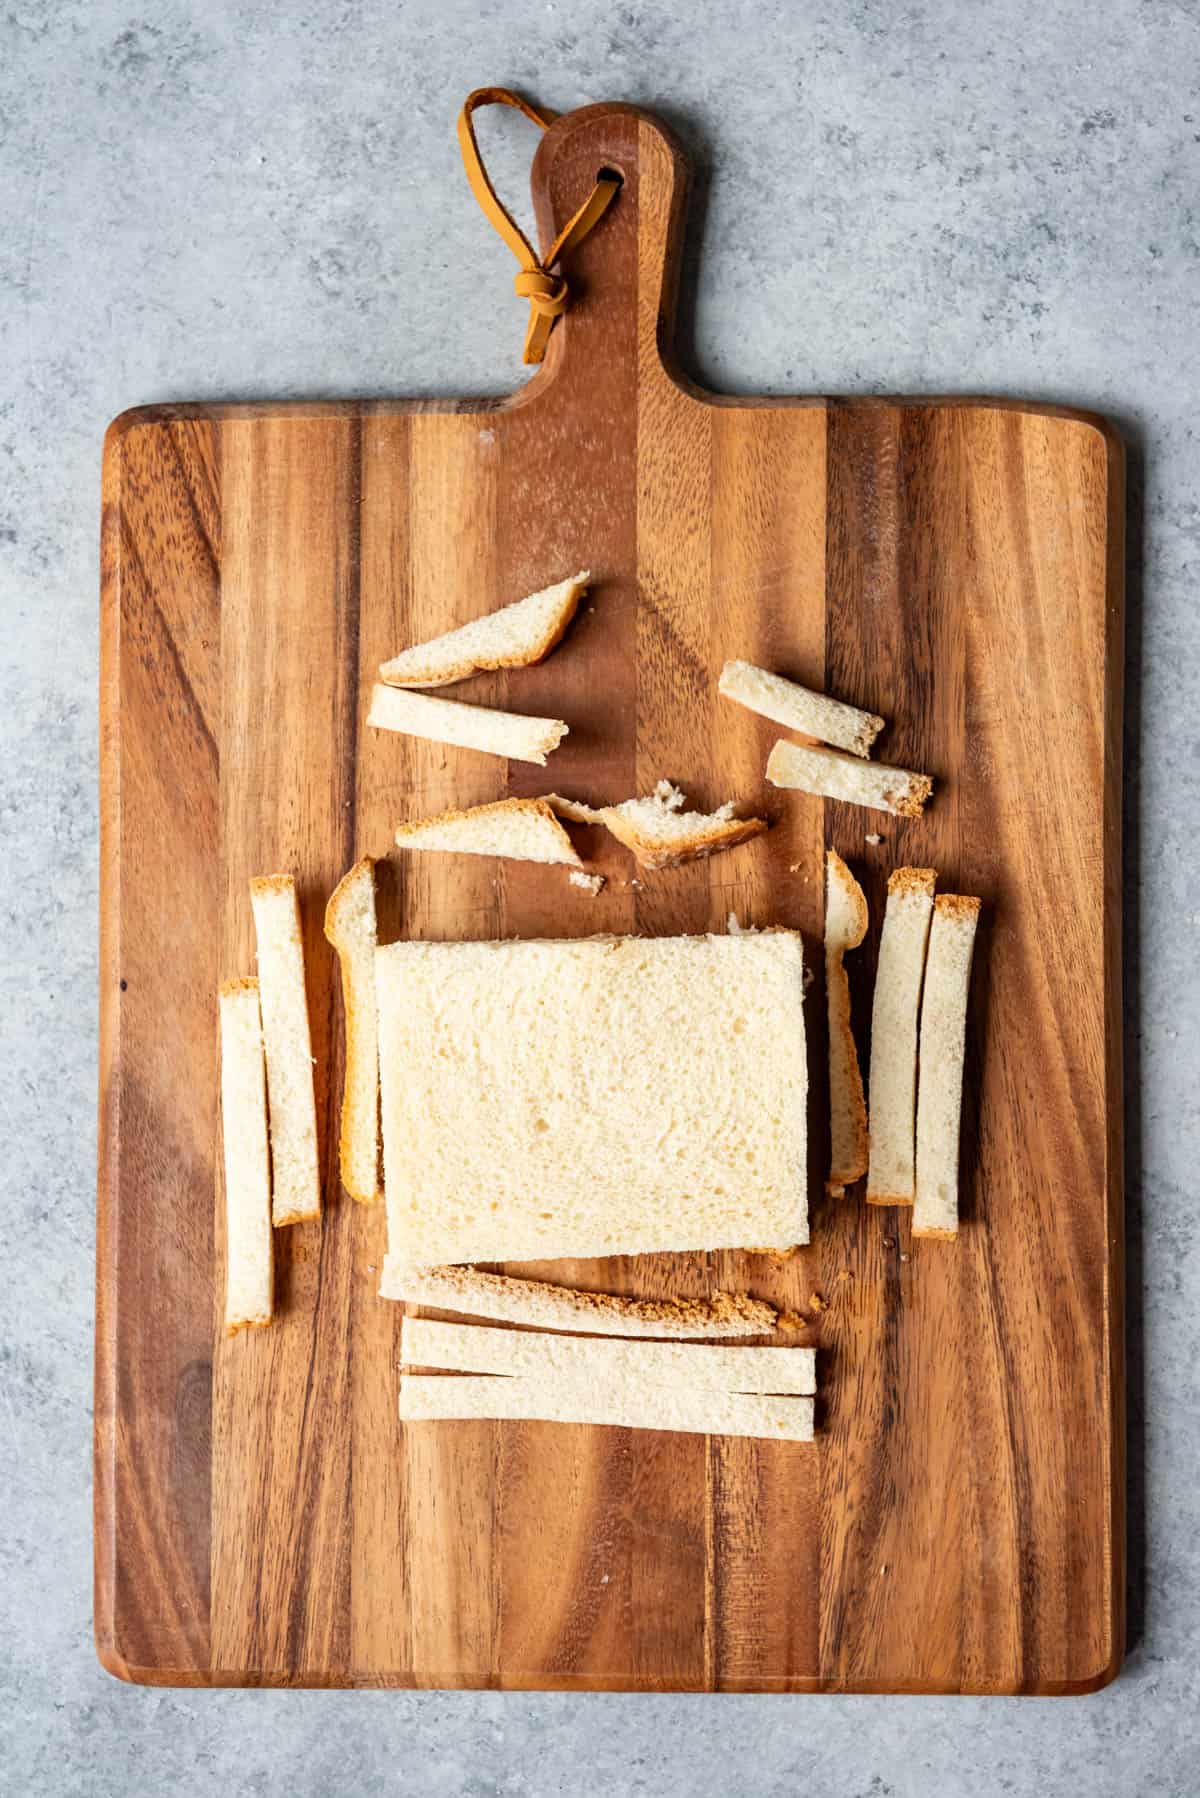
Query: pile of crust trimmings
column 657, row 829
column 909, row 1152
column 400, row 995
column 266, row 1060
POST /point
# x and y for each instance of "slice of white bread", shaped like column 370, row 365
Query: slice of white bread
column 295, row 1174
column 522, row 830
column 845, row 928
column 603, row 1096
column 249, row 1264
column 605, row 1363
column 535, row 1302
column 797, row 708
column 509, row 734
column 829, row 774
column 943, row 1038
column 631, row 1405
column 658, row 830
column 513, row 637
column 351, row 927
column 894, row 1015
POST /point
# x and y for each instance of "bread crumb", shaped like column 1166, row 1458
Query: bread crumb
column 873, row 837
column 791, row 1321
column 889, row 1242
column 775, row 1254
column 591, row 883
column 669, row 795
column 795, row 867
column 817, row 1303
column 734, row 928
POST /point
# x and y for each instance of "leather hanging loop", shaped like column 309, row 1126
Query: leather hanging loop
column 547, row 292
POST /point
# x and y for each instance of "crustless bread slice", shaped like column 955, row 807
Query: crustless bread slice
column 943, row 1035
column 901, row 969
column 829, row 774
column 630, row 1404
column 249, row 1267
column 351, row 927
column 523, row 830
column 845, row 928
column 509, row 734
column 608, row 1095
column 796, row 708
column 296, row 1180
column 592, row 1360
column 535, row 1302
column 514, row 637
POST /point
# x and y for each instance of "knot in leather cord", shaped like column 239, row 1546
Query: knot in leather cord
column 547, row 293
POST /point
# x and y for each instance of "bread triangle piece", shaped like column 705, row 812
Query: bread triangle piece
column 296, row 1179
column 943, row 1038
column 510, row 734
column 350, row 925
column 512, row 1300
column 659, row 831
column 845, row 928
column 523, row 830
column 249, row 1265
column 797, row 708
column 514, row 637
column 629, row 1404
column 829, row 774
column 894, row 1015
column 475, row 1348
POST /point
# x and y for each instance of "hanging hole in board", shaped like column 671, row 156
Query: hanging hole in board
column 608, row 173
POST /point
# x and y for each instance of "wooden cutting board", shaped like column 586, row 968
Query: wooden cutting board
column 260, row 1515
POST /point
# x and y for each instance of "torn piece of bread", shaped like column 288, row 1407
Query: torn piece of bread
column 435, row 1397
column 602, row 1096
column 509, row 734
column 658, row 830
column 535, row 1302
column 943, row 1038
column 522, row 830
column 351, row 927
column 797, row 708
column 514, row 637
column 830, row 774
column 897, row 1004
column 249, row 1263
column 605, row 1363
column 845, row 928
column 574, row 810
column 295, row 1174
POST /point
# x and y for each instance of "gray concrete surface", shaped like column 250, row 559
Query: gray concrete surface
column 236, row 199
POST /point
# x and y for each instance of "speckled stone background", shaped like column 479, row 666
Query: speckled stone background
column 238, row 199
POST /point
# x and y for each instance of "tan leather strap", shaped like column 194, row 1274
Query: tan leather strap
column 547, row 293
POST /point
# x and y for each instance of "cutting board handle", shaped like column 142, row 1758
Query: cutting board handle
column 623, row 277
